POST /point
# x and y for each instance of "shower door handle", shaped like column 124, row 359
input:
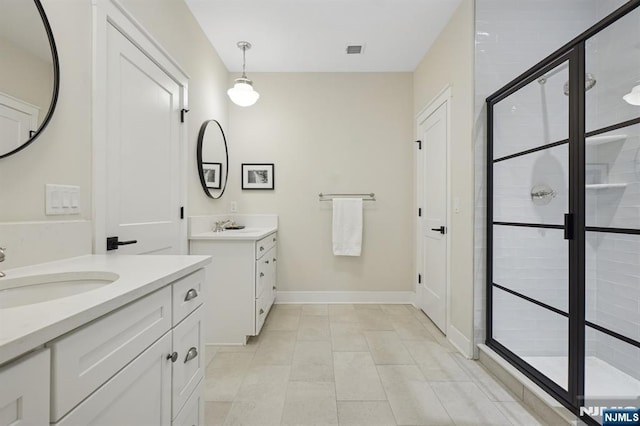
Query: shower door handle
column 568, row 226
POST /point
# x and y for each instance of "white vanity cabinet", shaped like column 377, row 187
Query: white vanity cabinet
column 24, row 391
column 241, row 283
column 139, row 365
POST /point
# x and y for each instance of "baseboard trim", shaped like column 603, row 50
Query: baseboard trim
column 391, row 297
column 460, row 341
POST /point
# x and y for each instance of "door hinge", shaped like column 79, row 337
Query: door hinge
column 419, row 212
column 182, row 212
column 182, row 113
column 419, row 144
column 419, row 278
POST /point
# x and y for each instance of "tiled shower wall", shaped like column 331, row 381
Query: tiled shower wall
column 510, row 39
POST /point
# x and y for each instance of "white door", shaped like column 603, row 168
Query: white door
column 143, row 155
column 18, row 120
column 432, row 131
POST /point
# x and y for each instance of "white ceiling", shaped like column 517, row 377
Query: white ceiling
column 312, row 35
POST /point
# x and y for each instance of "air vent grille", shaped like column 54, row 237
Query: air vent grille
column 354, row 49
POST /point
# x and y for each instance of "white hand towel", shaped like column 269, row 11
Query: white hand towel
column 347, row 226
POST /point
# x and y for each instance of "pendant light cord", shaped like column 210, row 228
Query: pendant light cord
column 244, row 50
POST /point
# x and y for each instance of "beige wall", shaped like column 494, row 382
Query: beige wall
column 62, row 154
column 450, row 62
column 330, row 132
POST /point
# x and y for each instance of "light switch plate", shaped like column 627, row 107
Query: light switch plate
column 62, row 199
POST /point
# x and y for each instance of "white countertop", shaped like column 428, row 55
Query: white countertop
column 254, row 234
column 24, row 328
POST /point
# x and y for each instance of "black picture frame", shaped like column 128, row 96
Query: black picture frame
column 212, row 173
column 258, row 176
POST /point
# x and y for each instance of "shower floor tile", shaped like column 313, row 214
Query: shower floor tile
column 602, row 379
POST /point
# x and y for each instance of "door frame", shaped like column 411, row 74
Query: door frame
column 111, row 12
column 443, row 97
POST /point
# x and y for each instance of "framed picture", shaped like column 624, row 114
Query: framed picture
column 212, row 175
column 258, row 176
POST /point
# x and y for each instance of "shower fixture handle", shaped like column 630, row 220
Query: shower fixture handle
column 441, row 230
column 568, row 226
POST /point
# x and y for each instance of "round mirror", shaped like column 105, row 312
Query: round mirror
column 29, row 74
column 213, row 159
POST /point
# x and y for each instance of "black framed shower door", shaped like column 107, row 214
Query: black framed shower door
column 545, row 168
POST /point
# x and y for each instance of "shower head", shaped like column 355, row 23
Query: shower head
column 589, row 82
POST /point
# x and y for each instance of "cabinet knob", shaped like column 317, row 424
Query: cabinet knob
column 266, row 261
column 261, row 311
column 173, row 357
column 261, row 248
column 274, row 287
column 261, row 274
column 191, row 354
column 274, row 239
column 191, row 294
column 274, row 260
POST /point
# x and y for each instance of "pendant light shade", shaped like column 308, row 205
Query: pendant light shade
column 633, row 97
column 242, row 93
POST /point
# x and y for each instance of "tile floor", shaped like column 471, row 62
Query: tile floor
column 352, row 365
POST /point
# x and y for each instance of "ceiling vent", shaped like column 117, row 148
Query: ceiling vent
column 354, row 49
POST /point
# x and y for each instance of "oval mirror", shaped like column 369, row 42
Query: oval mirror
column 213, row 159
column 29, row 74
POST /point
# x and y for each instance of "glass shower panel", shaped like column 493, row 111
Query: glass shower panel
column 534, row 116
column 613, row 282
column 532, row 262
column 611, row 376
column 613, row 179
column 535, row 334
column 612, row 71
column 532, row 188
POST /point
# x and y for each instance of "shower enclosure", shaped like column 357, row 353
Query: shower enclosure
column 563, row 228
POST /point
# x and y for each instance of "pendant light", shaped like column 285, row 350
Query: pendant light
column 242, row 93
column 633, row 97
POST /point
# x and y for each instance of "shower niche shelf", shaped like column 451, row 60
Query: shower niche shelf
column 606, row 186
column 599, row 140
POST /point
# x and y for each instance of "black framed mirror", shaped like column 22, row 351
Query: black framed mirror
column 29, row 74
column 213, row 159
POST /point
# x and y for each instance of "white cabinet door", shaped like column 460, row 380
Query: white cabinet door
column 85, row 359
column 140, row 395
column 188, row 369
column 24, row 393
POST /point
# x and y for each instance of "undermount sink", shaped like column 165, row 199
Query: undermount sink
column 32, row 289
column 241, row 231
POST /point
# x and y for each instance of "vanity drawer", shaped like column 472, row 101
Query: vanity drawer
column 188, row 370
column 263, row 245
column 188, row 294
column 262, row 309
column 193, row 412
column 262, row 275
column 84, row 359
